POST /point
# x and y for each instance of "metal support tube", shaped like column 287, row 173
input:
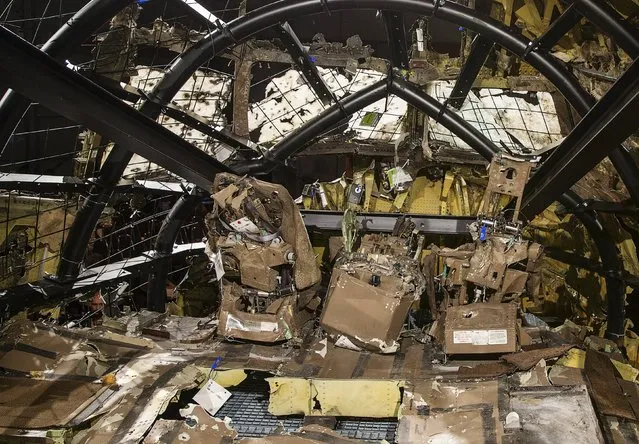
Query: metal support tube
column 164, row 243
column 557, row 30
column 312, row 129
column 34, row 74
column 612, row 263
column 304, row 63
column 238, row 30
column 75, row 31
column 610, row 122
column 479, row 52
column 396, row 32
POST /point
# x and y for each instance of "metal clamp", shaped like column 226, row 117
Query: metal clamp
column 614, row 274
column 436, row 5
column 223, row 27
column 442, row 110
column 532, row 46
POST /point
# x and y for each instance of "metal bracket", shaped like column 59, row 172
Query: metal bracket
column 436, row 5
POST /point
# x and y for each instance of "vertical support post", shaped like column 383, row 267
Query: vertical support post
column 242, row 88
column 479, row 52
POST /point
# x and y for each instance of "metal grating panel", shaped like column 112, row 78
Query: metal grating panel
column 368, row 429
column 248, row 410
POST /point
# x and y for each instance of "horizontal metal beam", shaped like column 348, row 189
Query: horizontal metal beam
column 396, row 33
column 303, row 61
column 32, row 73
column 385, row 222
column 479, row 52
column 609, row 123
column 42, row 183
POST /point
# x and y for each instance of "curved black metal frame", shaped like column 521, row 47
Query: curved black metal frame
column 244, row 27
column 241, row 29
column 75, row 31
column 164, row 243
column 296, row 143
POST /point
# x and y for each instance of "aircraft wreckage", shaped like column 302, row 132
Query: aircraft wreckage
column 234, row 236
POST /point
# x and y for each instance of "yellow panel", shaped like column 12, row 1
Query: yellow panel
column 369, row 181
column 335, row 193
column 366, row 398
column 308, row 202
column 335, row 397
column 448, row 182
column 464, row 196
column 380, row 205
column 424, row 197
column 632, row 349
column 400, row 200
column 575, row 358
column 289, row 396
column 627, row 372
column 227, row 378
column 319, row 254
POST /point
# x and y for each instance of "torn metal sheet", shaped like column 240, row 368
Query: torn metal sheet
column 371, row 291
column 367, row 316
column 204, row 93
column 198, row 427
column 607, row 391
column 505, row 117
column 332, row 397
column 553, row 414
column 37, row 404
column 506, row 177
column 257, row 233
column 140, row 406
column 450, row 411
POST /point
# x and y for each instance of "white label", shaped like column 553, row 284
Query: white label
column 497, row 337
column 245, row 225
column 420, row 39
column 475, row 337
column 212, row 397
column 480, row 337
column 463, row 337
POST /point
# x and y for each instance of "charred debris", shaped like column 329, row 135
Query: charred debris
column 373, row 328
column 329, row 242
